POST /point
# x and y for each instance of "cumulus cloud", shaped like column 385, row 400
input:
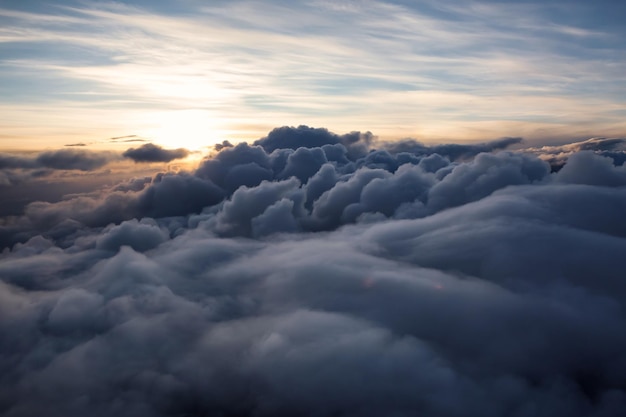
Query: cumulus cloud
column 225, row 144
column 154, row 153
column 588, row 168
column 165, row 195
column 341, row 277
column 356, row 143
column 140, row 236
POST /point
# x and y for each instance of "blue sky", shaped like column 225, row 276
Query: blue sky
column 195, row 73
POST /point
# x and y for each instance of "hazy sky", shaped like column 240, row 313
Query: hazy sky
column 195, row 73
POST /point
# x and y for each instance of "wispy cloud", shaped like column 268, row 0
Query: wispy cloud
column 226, row 69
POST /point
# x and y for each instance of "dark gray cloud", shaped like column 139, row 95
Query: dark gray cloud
column 236, row 166
column 18, row 169
column 225, row 144
column 14, row 161
column 482, row 176
column 451, row 151
column 334, row 180
column 285, row 137
column 588, row 168
column 139, row 236
column 70, row 159
column 63, row 159
column 279, row 280
column 154, row 153
column 177, row 195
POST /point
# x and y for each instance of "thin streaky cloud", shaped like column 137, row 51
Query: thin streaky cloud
column 305, row 61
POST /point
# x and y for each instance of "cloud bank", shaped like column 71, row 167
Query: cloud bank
column 16, row 168
column 64, row 159
column 320, row 274
column 154, row 153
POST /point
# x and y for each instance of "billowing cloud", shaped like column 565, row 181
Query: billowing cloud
column 308, row 137
column 341, row 277
column 154, row 153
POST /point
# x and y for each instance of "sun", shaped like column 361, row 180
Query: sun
column 192, row 129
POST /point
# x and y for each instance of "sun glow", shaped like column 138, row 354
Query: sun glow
column 190, row 129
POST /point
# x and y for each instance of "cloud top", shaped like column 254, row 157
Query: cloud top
column 340, row 277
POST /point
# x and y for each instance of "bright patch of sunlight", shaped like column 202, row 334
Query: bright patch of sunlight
column 191, row 129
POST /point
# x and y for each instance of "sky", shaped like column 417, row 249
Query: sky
column 191, row 73
column 319, row 209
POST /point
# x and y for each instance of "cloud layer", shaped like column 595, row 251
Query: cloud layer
column 64, row 159
column 320, row 274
